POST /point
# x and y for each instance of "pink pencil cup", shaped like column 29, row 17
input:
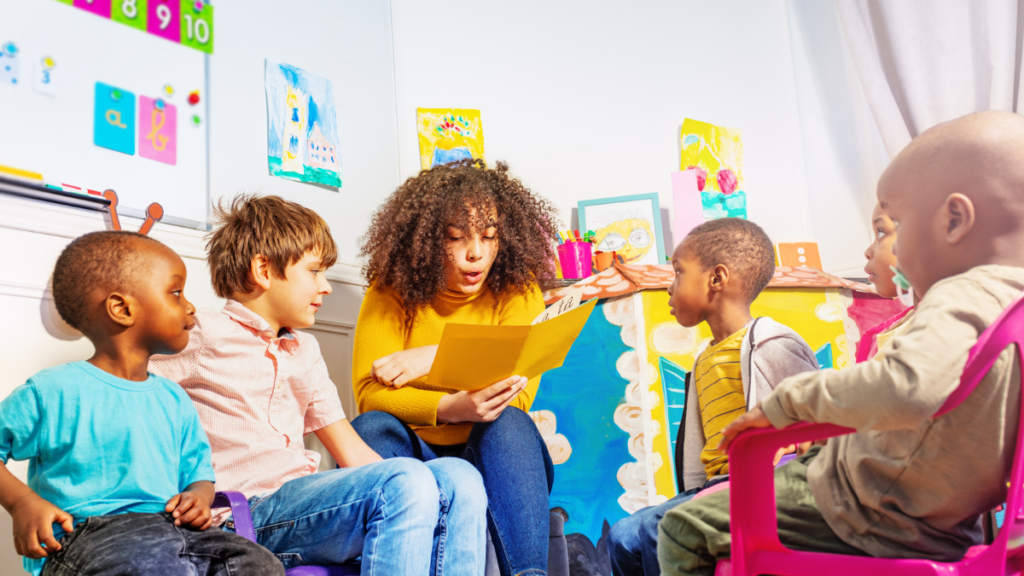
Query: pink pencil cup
column 575, row 259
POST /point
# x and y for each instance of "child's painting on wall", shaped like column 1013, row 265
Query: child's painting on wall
column 630, row 226
column 449, row 134
column 716, row 153
column 302, row 126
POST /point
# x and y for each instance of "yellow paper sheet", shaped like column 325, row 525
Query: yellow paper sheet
column 471, row 357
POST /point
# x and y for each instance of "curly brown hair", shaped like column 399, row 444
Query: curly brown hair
column 406, row 240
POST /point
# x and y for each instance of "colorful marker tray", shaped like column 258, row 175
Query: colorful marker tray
column 185, row 22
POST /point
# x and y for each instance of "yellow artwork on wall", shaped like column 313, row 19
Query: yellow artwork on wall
column 449, row 134
column 716, row 150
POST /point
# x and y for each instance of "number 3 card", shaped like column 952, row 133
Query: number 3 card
column 45, row 79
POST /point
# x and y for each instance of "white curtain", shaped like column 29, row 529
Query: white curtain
column 923, row 62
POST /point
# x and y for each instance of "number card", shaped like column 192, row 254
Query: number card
column 114, row 119
column 130, row 13
column 185, row 22
column 164, row 19
column 197, row 26
column 158, row 130
column 97, row 7
column 45, row 79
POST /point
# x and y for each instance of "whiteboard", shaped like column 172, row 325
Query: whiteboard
column 54, row 135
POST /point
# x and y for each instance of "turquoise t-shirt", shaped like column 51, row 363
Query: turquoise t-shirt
column 99, row 445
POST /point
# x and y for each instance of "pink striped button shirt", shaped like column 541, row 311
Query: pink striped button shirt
column 257, row 396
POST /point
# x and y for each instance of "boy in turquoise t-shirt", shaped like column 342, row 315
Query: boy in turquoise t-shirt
column 119, row 478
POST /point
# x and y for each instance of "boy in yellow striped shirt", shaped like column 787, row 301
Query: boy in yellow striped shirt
column 721, row 266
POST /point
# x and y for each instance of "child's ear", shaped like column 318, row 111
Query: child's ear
column 958, row 216
column 259, row 269
column 719, row 277
column 120, row 309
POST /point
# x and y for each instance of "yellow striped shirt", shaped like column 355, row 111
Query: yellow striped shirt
column 719, row 384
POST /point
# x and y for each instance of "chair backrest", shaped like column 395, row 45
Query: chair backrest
column 1007, row 329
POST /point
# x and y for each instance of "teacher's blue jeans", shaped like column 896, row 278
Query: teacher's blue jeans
column 398, row 517
column 517, row 472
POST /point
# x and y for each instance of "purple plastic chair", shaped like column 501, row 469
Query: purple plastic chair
column 243, row 527
column 756, row 548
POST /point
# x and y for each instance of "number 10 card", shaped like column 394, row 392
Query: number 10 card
column 185, row 22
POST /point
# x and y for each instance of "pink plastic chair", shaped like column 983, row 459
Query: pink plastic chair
column 243, row 527
column 756, row 548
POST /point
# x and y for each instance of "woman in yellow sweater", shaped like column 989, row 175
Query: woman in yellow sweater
column 467, row 244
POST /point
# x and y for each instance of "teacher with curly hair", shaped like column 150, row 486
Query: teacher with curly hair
column 467, row 244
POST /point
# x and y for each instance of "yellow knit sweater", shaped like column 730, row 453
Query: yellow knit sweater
column 381, row 331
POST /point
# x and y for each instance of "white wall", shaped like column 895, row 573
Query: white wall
column 584, row 99
column 349, row 42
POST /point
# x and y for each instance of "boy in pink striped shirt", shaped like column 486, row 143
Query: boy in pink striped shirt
column 260, row 386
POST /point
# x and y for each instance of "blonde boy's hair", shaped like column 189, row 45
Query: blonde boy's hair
column 279, row 230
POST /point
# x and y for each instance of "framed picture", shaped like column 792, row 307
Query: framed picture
column 628, row 225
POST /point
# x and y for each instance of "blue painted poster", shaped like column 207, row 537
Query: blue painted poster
column 302, row 126
column 579, row 400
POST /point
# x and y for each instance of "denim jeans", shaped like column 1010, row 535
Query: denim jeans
column 633, row 541
column 398, row 517
column 145, row 544
column 517, row 473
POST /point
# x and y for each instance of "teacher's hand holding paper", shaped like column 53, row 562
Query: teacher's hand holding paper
column 481, row 406
column 404, row 366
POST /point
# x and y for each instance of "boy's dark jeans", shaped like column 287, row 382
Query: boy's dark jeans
column 144, row 544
